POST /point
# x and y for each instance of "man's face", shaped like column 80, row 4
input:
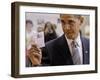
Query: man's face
column 71, row 25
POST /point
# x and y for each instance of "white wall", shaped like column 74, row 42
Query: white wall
column 5, row 41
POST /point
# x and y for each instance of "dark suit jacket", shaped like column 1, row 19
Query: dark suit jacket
column 56, row 52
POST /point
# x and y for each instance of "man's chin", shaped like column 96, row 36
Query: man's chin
column 70, row 37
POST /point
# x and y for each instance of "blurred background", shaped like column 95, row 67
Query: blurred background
column 43, row 20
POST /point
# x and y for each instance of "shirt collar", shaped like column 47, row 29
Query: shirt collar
column 77, row 40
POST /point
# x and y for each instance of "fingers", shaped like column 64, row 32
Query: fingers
column 34, row 55
column 35, row 49
column 35, row 58
column 35, row 61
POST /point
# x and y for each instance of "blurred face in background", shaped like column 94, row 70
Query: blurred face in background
column 49, row 28
column 29, row 26
column 71, row 25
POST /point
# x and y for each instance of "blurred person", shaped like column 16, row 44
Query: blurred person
column 31, row 37
column 49, row 31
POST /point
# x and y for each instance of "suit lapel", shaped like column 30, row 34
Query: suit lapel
column 85, row 51
column 65, row 51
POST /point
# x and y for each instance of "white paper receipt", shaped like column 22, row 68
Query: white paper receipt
column 40, row 39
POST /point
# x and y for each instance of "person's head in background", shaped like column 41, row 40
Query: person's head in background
column 71, row 25
column 49, row 28
column 29, row 25
column 49, row 31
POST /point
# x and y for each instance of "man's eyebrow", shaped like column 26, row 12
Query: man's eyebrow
column 62, row 21
column 70, row 21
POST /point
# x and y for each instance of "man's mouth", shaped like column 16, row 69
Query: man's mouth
column 70, row 32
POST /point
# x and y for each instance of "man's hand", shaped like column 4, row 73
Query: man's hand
column 34, row 54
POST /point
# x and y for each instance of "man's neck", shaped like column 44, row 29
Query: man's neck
column 75, row 39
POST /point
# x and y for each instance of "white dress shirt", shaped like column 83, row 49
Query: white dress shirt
column 78, row 40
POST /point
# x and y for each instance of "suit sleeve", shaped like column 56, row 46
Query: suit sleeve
column 45, row 57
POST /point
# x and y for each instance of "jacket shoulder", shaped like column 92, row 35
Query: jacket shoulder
column 53, row 42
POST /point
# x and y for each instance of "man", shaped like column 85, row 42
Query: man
column 71, row 48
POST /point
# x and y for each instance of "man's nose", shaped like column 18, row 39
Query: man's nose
column 68, row 27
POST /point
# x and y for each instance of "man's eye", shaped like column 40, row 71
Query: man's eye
column 71, row 22
column 63, row 22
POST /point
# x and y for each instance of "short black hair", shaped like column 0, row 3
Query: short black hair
column 29, row 21
column 74, row 15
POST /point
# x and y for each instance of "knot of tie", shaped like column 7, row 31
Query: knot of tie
column 74, row 44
